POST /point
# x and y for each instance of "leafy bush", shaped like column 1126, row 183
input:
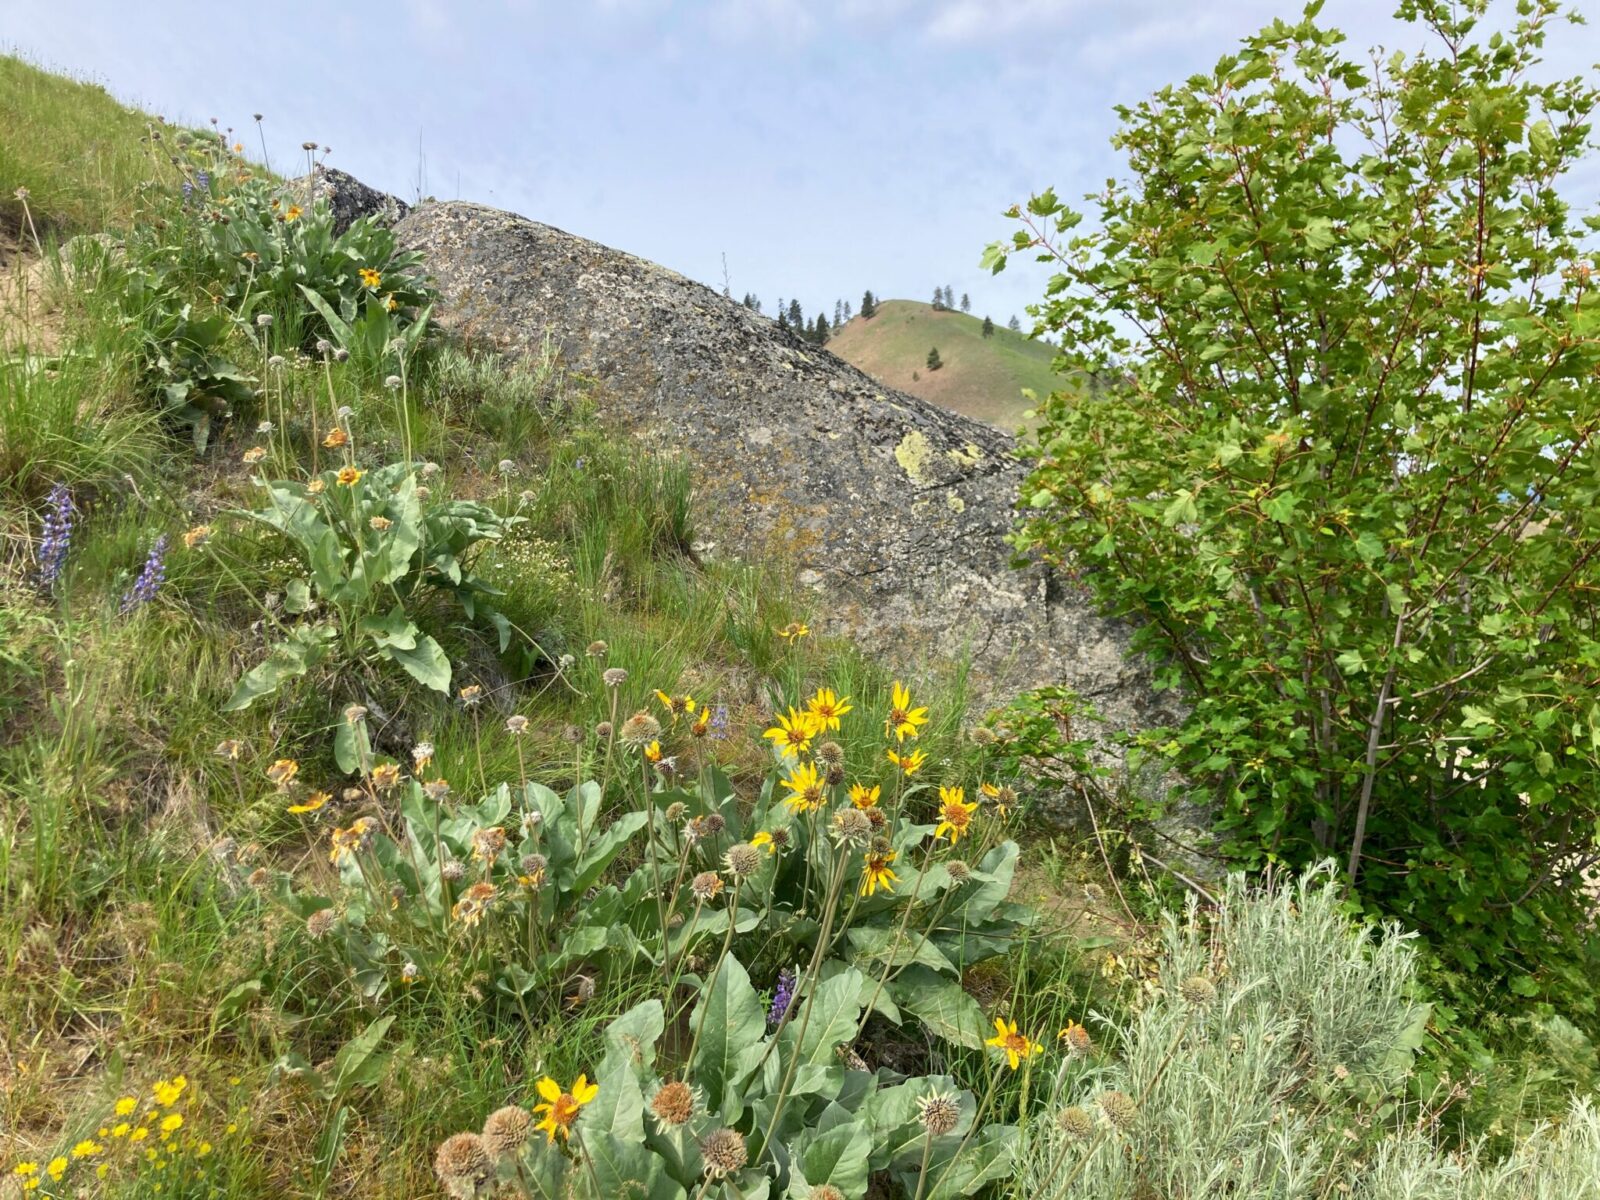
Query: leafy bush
column 1335, row 465
column 372, row 548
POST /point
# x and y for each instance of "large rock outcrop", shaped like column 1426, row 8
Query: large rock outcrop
column 894, row 510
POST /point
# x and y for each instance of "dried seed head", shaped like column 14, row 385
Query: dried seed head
column 614, row 677
column 1078, row 1041
column 1118, row 1107
column 831, row 753
column 724, row 1152
column 826, row 1191
column 597, row 650
column 705, row 886
column 603, row 730
column 851, row 827
column 506, row 1130
column 639, row 730
column 959, row 871
column 876, row 817
column 463, row 1165
column 712, row 824
column 259, row 878
column 833, row 774
column 780, row 838
column 453, row 871
column 674, row 1104
column 938, row 1114
column 1198, row 991
column 517, row 724
column 742, row 859
column 319, row 923
column 675, row 811
column 983, row 736
column 1076, row 1123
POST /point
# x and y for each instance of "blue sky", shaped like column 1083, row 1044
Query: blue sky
column 825, row 146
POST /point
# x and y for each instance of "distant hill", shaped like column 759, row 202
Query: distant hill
column 981, row 377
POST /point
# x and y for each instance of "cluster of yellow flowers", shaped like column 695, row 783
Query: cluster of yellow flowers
column 155, row 1139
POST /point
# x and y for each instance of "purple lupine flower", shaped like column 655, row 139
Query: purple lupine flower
column 719, row 721
column 203, row 180
column 145, row 587
column 187, row 189
column 782, row 996
column 56, row 534
column 579, row 463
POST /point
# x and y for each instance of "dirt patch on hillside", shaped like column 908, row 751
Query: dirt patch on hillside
column 32, row 319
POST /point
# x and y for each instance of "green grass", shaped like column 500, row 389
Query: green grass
column 81, row 154
column 982, row 378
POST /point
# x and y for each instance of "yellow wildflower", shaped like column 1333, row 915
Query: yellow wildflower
column 313, row 802
column 1016, row 1045
column 793, row 733
column 128, row 1103
column 863, row 796
column 561, row 1108
column 806, row 787
column 86, row 1149
column 763, row 841
column 903, row 719
column 370, row 278
column 827, row 707
column 877, row 874
column 349, row 476
column 676, row 705
column 794, row 631
column 955, row 814
column 292, row 213
column 165, row 1091
column 911, row 763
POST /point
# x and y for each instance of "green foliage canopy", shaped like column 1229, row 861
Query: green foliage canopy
column 1338, row 464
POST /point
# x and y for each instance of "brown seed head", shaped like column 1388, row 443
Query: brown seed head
column 319, row 923
column 959, row 871
column 463, row 1164
column 1076, row 1123
column 831, row 753
column 506, row 1130
column 938, row 1114
column 724, row 1152
column 705, row 886
column 1118, row 1107
column 1198, row 991
column 674, row 1104
column 639, row 730
column 742, row 859
column 851, row 827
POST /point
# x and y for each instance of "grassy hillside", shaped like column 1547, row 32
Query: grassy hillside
column 353, row 799
column 981, row 377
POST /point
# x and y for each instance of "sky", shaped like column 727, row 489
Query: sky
column 817, row 147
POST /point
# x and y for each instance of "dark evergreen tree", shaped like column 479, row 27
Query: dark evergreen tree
column 988, row 328
column 797, row 318
column 869, row 305
column 847, row 310
column 938, row 299
column 783, row 315
column 1014, row 325
column 820, row 333
column 966, row 303
column 934, row 361
column 838, row 313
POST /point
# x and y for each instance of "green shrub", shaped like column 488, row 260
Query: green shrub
column 1336, row 466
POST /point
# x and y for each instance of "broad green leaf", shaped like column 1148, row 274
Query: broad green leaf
column 731, row 1020
column 941, row 1005
column 426, row 663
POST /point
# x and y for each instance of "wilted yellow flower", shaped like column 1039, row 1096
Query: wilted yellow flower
column 794, row 631
column 474, row 902
column 254, row 455
column 283, row 772
column 313, row 802
column 336, row 437
column 349, row 476
column 385, row 776
column 197, row 537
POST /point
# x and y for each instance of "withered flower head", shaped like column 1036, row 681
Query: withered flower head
column 724, row 1152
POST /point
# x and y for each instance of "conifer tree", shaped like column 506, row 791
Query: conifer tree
column 838, row 313
column 847, row 310
column 869, row 305
column 934, row 361
column 797, row 318
column 988, row 328
column 1014, row 325
column 966, row 303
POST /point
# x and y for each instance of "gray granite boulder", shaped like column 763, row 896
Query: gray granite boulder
column 895, row 511
column 349, row 198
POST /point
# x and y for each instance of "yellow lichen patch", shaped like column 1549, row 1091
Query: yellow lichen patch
column 968, row 456
column 914, row 454
column 955, row 503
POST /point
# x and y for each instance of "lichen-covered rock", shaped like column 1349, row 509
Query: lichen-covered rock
column 893, row 509
column 349, row 198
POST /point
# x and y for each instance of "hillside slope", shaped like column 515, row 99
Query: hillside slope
column 981, row 378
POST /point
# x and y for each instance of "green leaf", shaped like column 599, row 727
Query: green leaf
column 941, row 1005
column 426, row 663
column 305, row 647
column 358, row 1063
column 1280, row 508
column 838, row 1156
column 732, row 1021
column 627, row 1169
